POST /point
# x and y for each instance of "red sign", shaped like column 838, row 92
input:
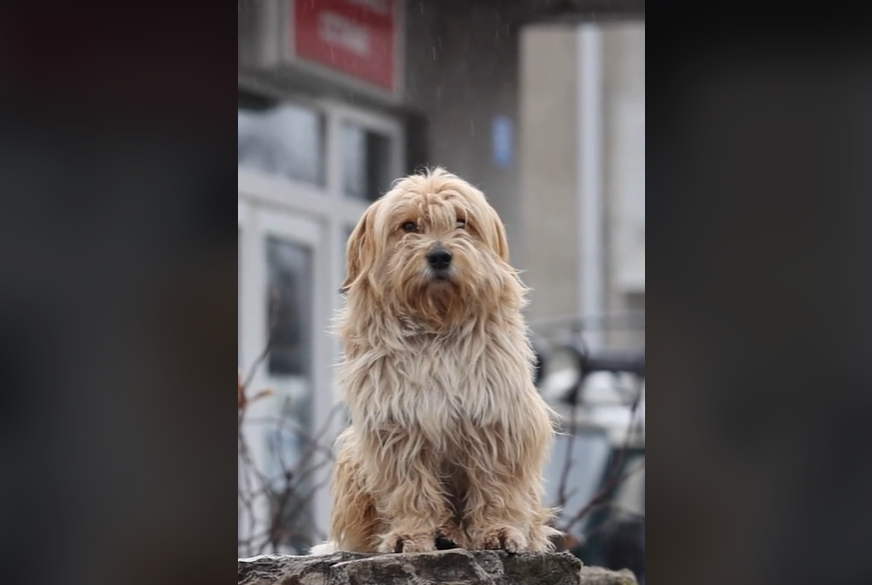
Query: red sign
column 356, row 37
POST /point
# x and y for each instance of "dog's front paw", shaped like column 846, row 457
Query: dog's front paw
column 453, row 535
column 507, row 538
column 398, row 542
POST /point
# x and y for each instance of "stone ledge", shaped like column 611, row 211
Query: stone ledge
column 449, row 567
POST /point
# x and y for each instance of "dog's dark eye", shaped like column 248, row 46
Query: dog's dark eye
column 461, row 224
column 410, row 227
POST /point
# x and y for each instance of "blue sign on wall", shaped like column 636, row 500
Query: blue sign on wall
column 502, row 140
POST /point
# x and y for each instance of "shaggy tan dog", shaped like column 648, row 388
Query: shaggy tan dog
column 449, row 435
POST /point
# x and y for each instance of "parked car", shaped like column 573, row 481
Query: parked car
column 597, row 469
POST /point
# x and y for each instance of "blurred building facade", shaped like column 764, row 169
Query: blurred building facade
column 544, row 112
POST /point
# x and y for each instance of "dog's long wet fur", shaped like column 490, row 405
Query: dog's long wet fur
column 449, row 436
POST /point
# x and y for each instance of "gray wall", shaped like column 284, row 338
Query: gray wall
column 548, row 169
column 624, row 47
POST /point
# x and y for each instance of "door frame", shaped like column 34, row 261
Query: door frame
column 257, row 223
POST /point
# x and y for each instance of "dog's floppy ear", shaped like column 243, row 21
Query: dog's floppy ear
column 360, row 252
column 499, row 238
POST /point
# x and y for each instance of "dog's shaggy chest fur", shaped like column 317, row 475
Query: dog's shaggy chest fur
column 448, row 435
column 436, row 383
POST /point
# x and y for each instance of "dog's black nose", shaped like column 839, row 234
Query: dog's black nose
column 439, row 259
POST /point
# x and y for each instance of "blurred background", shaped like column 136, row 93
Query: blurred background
column 540, row 103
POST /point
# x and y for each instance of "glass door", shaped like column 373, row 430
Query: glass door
column 281, row 342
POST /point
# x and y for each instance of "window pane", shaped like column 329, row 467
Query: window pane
column 287, row 140
column 366, row 164
column 239, row 299
column 290, row 287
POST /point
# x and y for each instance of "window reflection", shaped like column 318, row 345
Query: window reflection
column 366, row 172
column 287, row 140
column 290, row 275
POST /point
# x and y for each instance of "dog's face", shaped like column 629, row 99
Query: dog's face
column 431, row 251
